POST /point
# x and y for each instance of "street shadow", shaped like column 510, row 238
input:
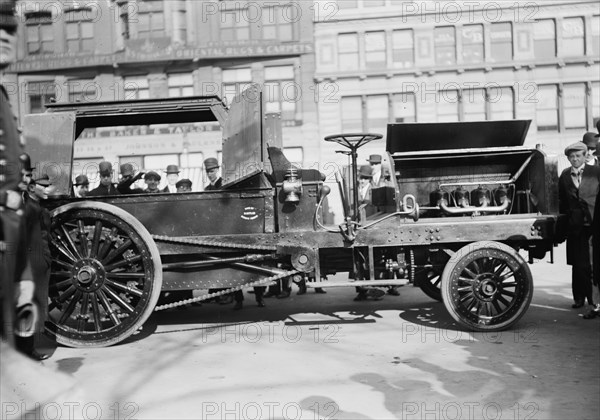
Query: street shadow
column 69, row 365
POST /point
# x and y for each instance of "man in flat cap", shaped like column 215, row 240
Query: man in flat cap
column 81, row 186
column 152, row 179
column 184, row 185
column 211, row 166
column 12, row 243
column 591, row 141
column 172, row 178
column 106, row 186
column 128, row 177
column 577, row 191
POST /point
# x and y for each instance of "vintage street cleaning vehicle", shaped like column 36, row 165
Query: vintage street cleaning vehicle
column 465, row 200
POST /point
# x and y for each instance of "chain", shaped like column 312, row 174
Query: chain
column 213, row 243
column 227, row 291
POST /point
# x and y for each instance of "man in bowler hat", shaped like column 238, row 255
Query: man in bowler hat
column 593, row 313
column 211, row 166
column 577, row 191
column 591, row 141
column 106, row 186
column 81, row 186
column 172, row 178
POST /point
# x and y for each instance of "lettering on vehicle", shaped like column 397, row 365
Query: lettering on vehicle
column 250, row 213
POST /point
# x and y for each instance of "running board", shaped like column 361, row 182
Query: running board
column 378, row 283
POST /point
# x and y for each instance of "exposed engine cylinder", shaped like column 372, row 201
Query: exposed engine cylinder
column 461, row 197
column 481, row 197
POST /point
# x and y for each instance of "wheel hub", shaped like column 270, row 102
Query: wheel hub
column 486, row 287
column 88, row 275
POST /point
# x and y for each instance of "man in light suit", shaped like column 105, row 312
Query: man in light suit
column 578, row 188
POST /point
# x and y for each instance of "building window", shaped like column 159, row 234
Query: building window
column 234, row 26
column 281, row 92
column 347, row 4
column 179, row 21
column 403, row 107
column 473, row 103
column 277, row 23
column 544, row 38
column 79, row 31
column 375, row 49
column 136, row 87
column 234, row 82
column 40, row 38
column 82, row 90
column 124, row 18
column 573, row 36
column 348, row 51
column 377, row 113
column 574, row 105
column 472, row 43
column 445, row 45
column 595, row 102
column 180, row 85
column 595, row 48
column 502, row 103
column 40, row 93
column 448, row 106
column 547, row 108
column 501, row 42
column 373, row 3
column 151, row 19
column 403, row 48
column 352, row 114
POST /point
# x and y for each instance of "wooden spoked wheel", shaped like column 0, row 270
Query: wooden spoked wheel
column 106, row 274
column 487, row 286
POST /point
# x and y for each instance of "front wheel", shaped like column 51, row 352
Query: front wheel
column 106, row 274
column 487, row 286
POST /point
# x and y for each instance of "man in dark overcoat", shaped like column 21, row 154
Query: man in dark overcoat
column 12, row 242
column 578, row 188
column 106, row 186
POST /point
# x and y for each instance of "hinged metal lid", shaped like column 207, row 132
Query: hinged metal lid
column 413, row 137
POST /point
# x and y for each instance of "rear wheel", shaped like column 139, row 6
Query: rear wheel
column 429, row 265
column 487, row 286
column 106, row 274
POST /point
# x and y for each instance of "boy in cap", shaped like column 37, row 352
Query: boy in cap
column 172, row 177
column 152, row 179
column 128, row 177
column 577, row 190
column 82, row 185
column 211, row 166
column 184, row 185
column 106, row 186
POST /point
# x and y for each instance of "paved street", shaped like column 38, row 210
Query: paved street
column 325, row 356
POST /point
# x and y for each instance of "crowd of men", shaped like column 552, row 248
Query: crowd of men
column 579, row 225
column 129, row 177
